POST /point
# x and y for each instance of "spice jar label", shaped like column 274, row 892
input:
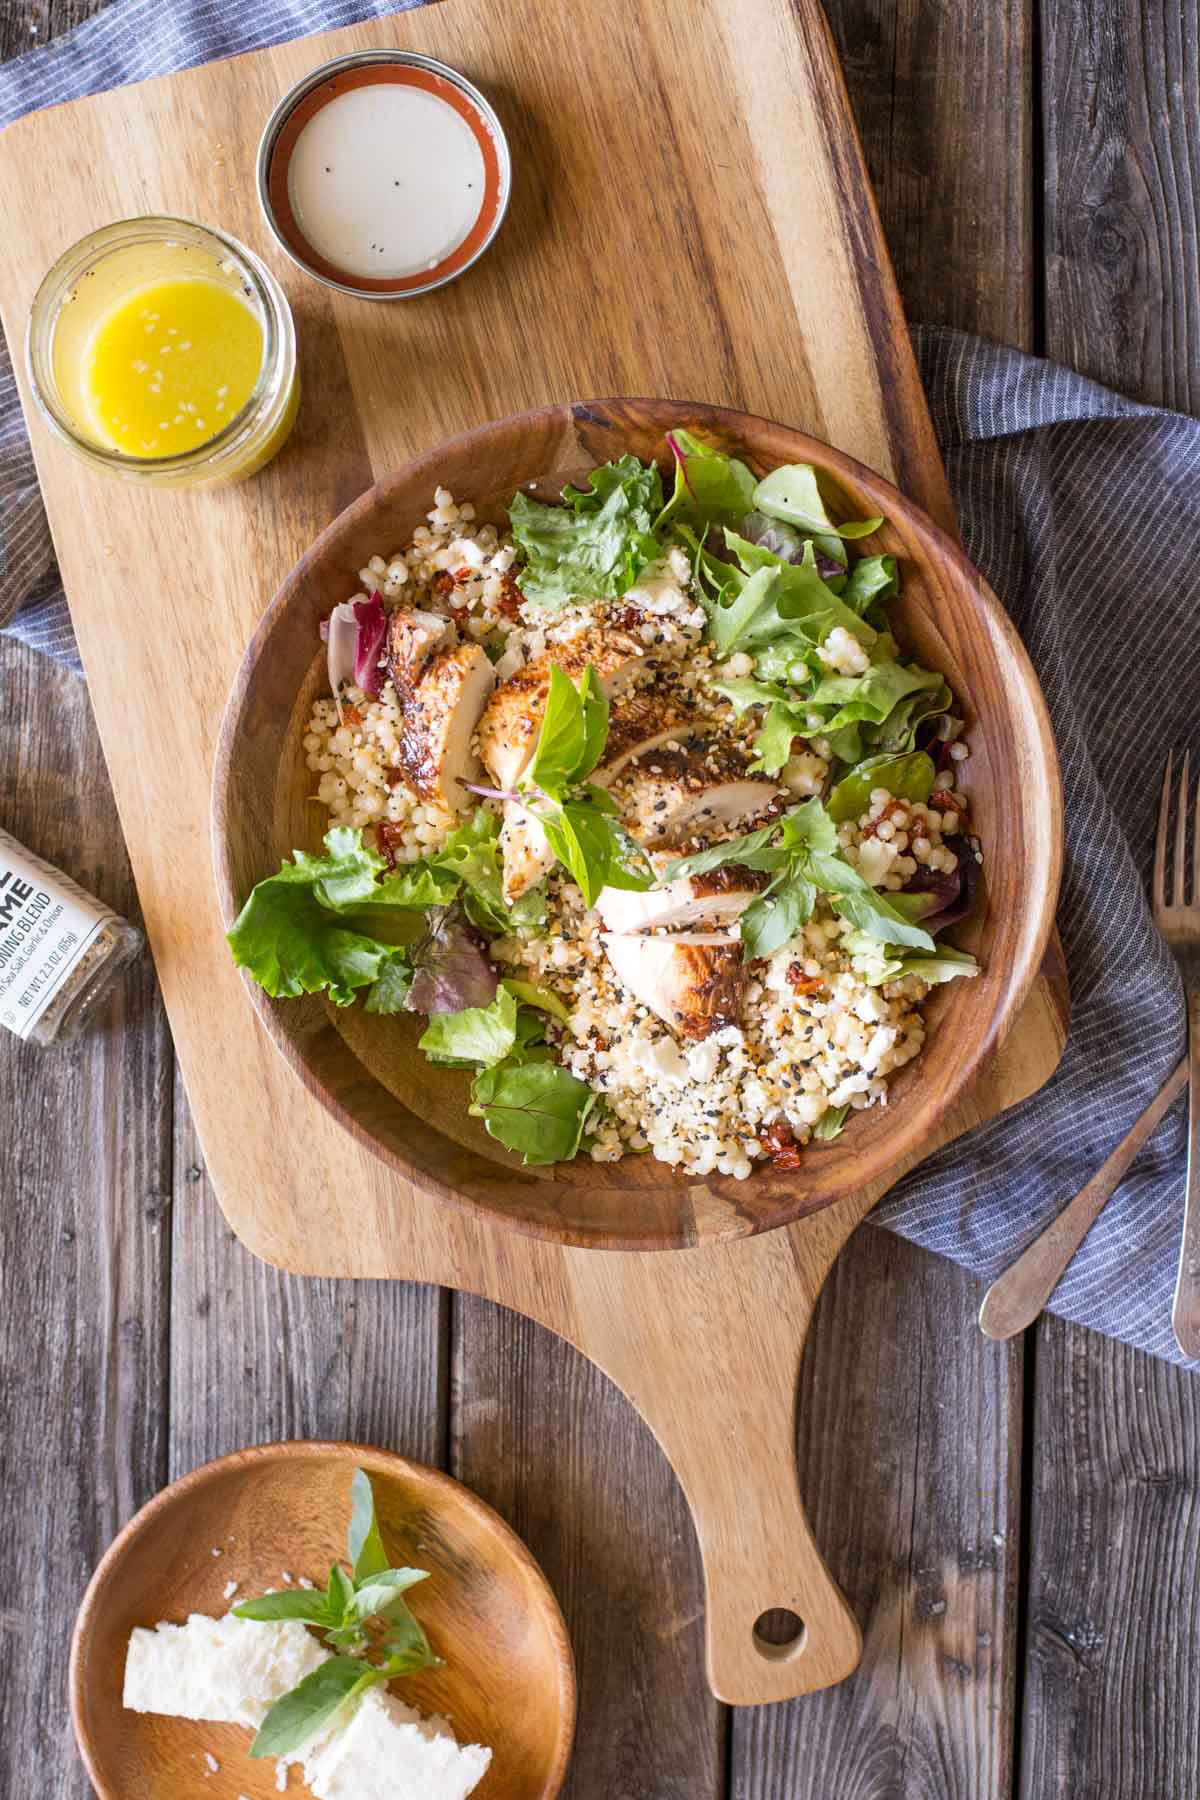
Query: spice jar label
column 45, row 933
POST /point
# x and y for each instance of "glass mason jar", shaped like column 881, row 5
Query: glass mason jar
column 108, row 268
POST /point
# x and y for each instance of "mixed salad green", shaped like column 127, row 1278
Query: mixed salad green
column 774, row 574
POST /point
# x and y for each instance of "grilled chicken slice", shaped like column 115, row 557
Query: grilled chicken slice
column 637, row 724
column 699, row 790
column 508, row 730
column 717, row 898
column 695, row 982
column 440, row 715
column 524, row 851
column 413, row 638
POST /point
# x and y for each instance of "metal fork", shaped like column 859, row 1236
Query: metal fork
column 1178, row 919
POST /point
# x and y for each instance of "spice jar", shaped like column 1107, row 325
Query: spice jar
column 60, row 950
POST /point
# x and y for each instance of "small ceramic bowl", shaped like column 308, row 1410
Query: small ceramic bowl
column 342, row 167
column 508, row 1680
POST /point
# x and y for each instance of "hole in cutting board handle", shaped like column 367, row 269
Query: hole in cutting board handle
column 779, row 1634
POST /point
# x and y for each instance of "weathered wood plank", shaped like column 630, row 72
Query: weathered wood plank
column 1113, row 1653
column 909, row 1455
column 84, row 1240
column 943, row 95
column 258, row 1355
column 540, row 1433
column 1122, row 223
column 929, row 1550
column 1114, row 1587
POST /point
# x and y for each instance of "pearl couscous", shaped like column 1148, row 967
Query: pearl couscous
column 817, row 1038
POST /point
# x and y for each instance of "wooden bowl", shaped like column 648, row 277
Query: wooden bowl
column 367, row 1070
column 509, row 1679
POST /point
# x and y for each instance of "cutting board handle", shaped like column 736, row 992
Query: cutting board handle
column 761, row 1563
column 707, row 1346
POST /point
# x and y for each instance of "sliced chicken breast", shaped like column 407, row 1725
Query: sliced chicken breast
column 413, row 638
column 717, row 898
column 700, row 790
column 508, row 730
column 695, row 981
column 440, row 716
column 638, row 723
column 526, row 855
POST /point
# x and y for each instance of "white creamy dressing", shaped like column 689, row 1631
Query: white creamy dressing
column 386, row 180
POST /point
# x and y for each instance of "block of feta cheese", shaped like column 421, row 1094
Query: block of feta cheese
column 230, row 1669
column 386, row 1751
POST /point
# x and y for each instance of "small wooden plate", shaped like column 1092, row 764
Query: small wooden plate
column 509, row 1679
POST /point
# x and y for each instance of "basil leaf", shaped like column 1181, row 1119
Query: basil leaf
column 537, row 1108
column 340, row 1592
column 561, row 739
column 791, row 493
column 831, row 1123
column 911, row 777
column 367, row 1554
column 811, row 826
column 306, row 1604
column 738, row 850
column 594, row 846
column 776, row 916
column 595, row 723
column 299, row 1715
column 542, row 998
column 377, row 1596
column 407, row 1646
column 479, row 1035
column 872, row 914
column 596, row 543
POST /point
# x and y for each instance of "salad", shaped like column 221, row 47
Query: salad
column 637, row 800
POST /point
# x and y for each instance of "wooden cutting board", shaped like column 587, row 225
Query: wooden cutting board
column 691, row 218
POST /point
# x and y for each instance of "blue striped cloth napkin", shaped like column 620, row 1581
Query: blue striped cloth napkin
column 1081, row 509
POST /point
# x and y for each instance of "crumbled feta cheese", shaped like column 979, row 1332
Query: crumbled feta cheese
column 386, row 1750
column 230, row 1670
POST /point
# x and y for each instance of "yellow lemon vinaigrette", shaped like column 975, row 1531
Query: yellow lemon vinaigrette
column 164, row 352
column 167, row 368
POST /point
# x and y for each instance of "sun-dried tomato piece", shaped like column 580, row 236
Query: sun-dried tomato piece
column 779, row 1142
column 942, row 800
column 391, row 837
column 802, row 983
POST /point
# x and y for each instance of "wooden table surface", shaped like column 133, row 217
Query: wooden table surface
column 1017, row 1527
